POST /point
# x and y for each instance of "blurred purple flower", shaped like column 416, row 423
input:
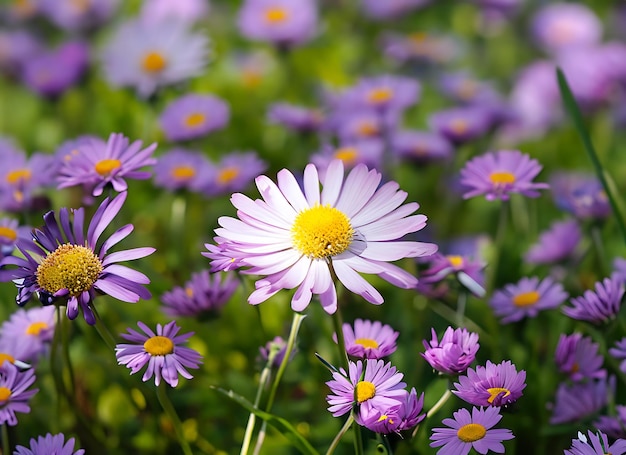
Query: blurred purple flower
column 421, row 146
column 599, row 445
column 619, row 352
column 10, row 232
column 579, row 194
column 192, row 116
column 14, row 392
column 48, row 445
column 17, row 47
column 397, row 419
column 492, row 385
column 187, row 11
column 614, row 427
column 369, row 340
column 32, row 329
column 235, row 172
column 575, row 401
column 180, row 169
column 462, row 124
column 454, row 353
column 366, row 151
column 297, row 118
column 224, row 257
column 556, row 244
column 73, row 15
column 467, row 270
column 599, row 306
column 278, row 348
column 390, row 9
column 578, row 357
column 162, row 351
column 423, row 48
column 382, row 93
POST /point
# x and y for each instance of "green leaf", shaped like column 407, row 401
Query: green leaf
column 284, row 427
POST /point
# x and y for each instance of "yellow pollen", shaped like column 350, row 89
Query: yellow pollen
column 154, row 62
column 8, row 233
column 36, row 327
column 275, row 15
column 18, row 176
column 347, row 154
column 18, row 196
column 367, row 342
column 195, row 119
column 183, row 172
column 159, row 345
column 497, row 391
column 105, row 167
column 379, row 95
column 321, row 232
column 456, row 261
column 5, row 394
column 459, row 126
column 471, row 432
column 189, row 292
column 4, row 357
column 367, row 129
column 502, row 178
column 526, row 298
column 228, row 174
column 364, row 391
column 72, row 267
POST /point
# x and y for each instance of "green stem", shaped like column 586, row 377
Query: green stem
column 265, row 375
column 103, row 331
column 65, row 327
column 341, row 342
column 5, row 439
column 596, row 238
column 439, row 404
column 168, row 407
column 342, row 432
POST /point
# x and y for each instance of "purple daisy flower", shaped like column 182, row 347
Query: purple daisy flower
column 297, row 118
column 71, row 15
column 17, row 47
column 49, row 444
column 368, row 151
column 382, row 93
column 10, row 232
column 423, row 48
column 203, row 295
column 284, row 23
column 619, row 352
column 31, row 329
column 369, row 340
column 526, row 298
column 556, row 244
column 183, row 169
column 358, row 125
column 467, row 270
column 161, row 351
column 14, row 393
column 471, row 431
column 498, row 174
column 278, row 348
column 598, row 306
column 99, row 166
column 62, row 264
column 421, row 146
column 187, row 11
column 294, row 237
column 613, row 426
column 493, row 385
column 454, row 353
column 222, row 255
column 192, row 116
column 397, row 419
column 578, row 357
column 596, row 444
column 235, row 172
column 575, row 401
column 580, row 194
column 461, row 125
column 147, row 56
column 373, row 387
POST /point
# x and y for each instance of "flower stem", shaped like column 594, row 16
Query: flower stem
column 342, row 432
column 265, row 375
column 5, row 439
column 168, row 407
column 103, row 331
column 439, row 404
column 341, row 342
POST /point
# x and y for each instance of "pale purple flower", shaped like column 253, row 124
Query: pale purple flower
column 526, row 298
column 421, row 146
column 223, row 256
column 372, row 387
column 369, row 340
column 596, row 444
column 234, row 172
column 613, row 426
column 466, row 269
column 31, row 329
column 578, row 400
column 556, row 244
column 10, row 232
column 292, row 235
column 193, row 115
column 203, row 295
column 72, row 15
column 498, row 174
column 297, row 118
column 423, row 48
column 454, row 353
column 358, row 125
column 471, row 431
column 62, row 264
column 367, row 151
column 492, row 385
column 619, row 352
column 465, row 89
column 397, row 419
column 578, row 357
column 14, row 392
column 162, row 351
column 180, row 169
column 17, row 47
column 187, row 11
column 147, row 56
column 278, row 348
column 382, row 93
column 579, row 194
column 99, row 165
column 600, row 305
column 48, row 445
column 462, row 124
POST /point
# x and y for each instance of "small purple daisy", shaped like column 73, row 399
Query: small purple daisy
column 596, row 444
column 576, row 401
column 467, row 270
column 498, row 174
column 192, row 116
column 421, row 146
column 10, row 232
column 161, row 351
column 72, row 15
column 382, row 93
column 366, row 151
column 14, row 393
column 369, row 340
column 598, row 306
column 471, row 431
column 619, row 352
column 297, row 118
column 560, row 26
column 462, row 124
column 580, row 194
column 63, row 265
column 278, row 348
column 492, row 385
column 235, row 172
column 31, row 329
column 454, row 353
column 49, row 444
column 556, row 244
column 101, row 166
column 578, row 357
column 180, row 169
column 613, row 426
column 526, row 298
column 397, row 419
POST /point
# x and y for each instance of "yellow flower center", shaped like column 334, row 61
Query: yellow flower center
column 497, row 391
column 183, row 172
column 36, row 327
column 276, row 14
column 366, row 342
column 8, row 233
column 195, row 119
column 105, row 167
column 159, row 345
column 347, row 154
column 526, row 298
column 364, row 391
column 459, row 126
column 456, row 261
column 471, row 432
column 502, row 178
column 384, row 417
column 321, row 231
column 5, row 394
column 4, row 357
column 154, row 62
column 72, row 267
column 18, row 176
column 379, row 95
column 367, row 129
column 189, row 292
column 228, row 174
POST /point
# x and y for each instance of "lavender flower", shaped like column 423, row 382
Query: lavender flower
column 49, row 444
column 235, row 172
column 10, row 232
column 397, row 419
column 278, row 348
column 619, row 352
column 187, row 11
column 578, row 357
column 613, row 426
column 31, row 330
column 574, row 402
column 580, row 194
column 556, row 244
column 598, row 306
column 297, row 118
column 180, row 169
column 14, row 392
column 461, row 125
column 368, row 151
column 369, row 340
column 71, row 15
column 192, row 116
column 454, row 353
column 599, row 445
column 421, row 146
column 492, row 385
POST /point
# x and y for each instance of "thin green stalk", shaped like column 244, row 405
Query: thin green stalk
column 168, row 407
column 596, row 238
column 445, row 397
column 342, row 432
column 65, row 342
column 492, row 270
column 5, row 439
column 265, row 375
column 103, row 331
column 341, row 342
